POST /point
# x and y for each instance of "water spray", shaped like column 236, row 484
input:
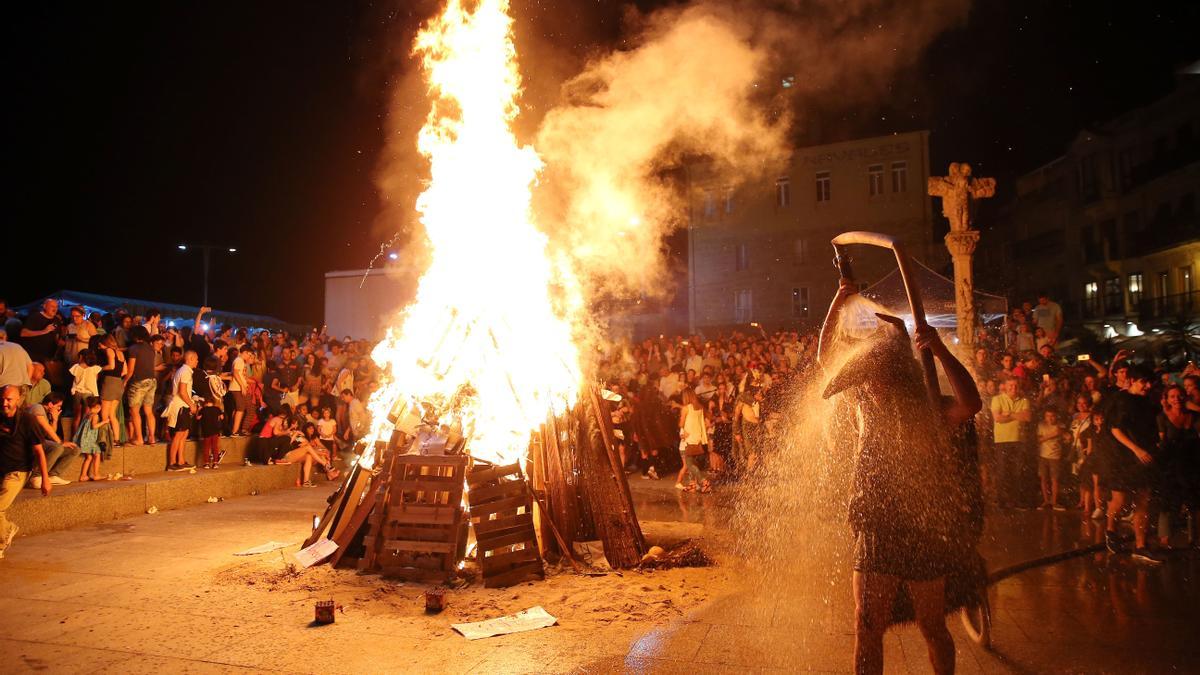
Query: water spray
column 842, row 261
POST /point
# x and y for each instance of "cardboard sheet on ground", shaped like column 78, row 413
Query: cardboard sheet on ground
column 320, row 550
column 264, row 548
column 530, row 619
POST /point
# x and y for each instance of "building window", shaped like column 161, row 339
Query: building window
column 899, row 176
column 1185, row 288
column 1113, row 298
column 728, row 200
column 741, row 258
column 800, row 303
column 743, row 306
column 783, row 192
column 1133, row 223
column 875, row 180
column 710, row 204
column 801, row 252
column 824, row 186
column 1161, row 285
column 1135, row 289
column 1091, row 298
column 1112, row 243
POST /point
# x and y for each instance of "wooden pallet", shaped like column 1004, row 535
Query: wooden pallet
column 502, row 515
column 415, row 529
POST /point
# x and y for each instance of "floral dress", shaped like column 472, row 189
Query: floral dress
column 87, row 437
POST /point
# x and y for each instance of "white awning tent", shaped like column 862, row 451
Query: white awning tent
column 937, row 295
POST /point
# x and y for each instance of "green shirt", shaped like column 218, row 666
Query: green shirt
column 38, row 392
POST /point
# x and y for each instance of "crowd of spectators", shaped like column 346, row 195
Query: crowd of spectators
column 1115, row 441
column 93, row 382
column 703, row 410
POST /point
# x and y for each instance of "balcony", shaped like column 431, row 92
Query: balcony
column 1179, row 305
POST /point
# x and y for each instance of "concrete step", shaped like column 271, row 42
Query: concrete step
column 136, row 460
column 97, row 502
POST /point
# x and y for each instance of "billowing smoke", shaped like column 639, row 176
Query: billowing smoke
column 732, row 83
column 687, row 87
column 717, row 81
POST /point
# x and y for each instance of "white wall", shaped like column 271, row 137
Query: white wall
column 363, row 307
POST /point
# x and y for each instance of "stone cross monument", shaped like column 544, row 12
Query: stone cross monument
column 959, row 193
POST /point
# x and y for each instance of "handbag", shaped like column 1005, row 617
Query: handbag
column 694, row 450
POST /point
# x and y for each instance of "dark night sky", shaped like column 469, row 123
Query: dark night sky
column 136, row 126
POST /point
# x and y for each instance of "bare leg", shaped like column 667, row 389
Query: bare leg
column 1141, row 516
column 929, row 601
column 135, row 419
column 1054, row 491
column 237, row 421
column 83, row 469
column 873, row 596
column 1114, row 509
column 306, row 471
column 148, row 414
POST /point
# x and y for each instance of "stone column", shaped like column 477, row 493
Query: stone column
column 962, row 247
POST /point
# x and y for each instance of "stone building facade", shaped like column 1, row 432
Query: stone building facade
column 759, row 252
column 1111, row 228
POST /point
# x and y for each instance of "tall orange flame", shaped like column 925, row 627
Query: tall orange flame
column 483, row 345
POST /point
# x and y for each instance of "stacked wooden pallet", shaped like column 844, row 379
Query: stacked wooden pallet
column 416, row 527
column 502, row 515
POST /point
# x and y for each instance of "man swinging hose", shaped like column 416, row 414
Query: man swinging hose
column 914, row 518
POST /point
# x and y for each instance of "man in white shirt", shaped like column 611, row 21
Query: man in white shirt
column 1048, row 316
column 237, row 390
column 16, row 368
column 180, row 410
column 358, row 416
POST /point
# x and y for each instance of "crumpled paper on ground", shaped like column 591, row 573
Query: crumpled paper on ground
column 529, row 619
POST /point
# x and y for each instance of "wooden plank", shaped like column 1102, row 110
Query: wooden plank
column 441, row 533
column 423, row 513
column 524, row 536
column 453, row 461
column 496, row 507
column 483, row 495
column 503, row 561
column 420, row 546
column 364, row 510
column 483, row 527
column 515, row 575
column 481, row 476
column 441, row 484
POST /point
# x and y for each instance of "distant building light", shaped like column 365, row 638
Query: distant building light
column 233, row 250
column 394, row 256
column 182, row 247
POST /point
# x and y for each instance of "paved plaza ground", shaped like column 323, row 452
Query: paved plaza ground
column 164, row 593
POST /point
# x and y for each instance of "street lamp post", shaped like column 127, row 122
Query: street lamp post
column 207, row 250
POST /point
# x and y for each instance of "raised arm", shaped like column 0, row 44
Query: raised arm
column 828, row 336
column 966, row 394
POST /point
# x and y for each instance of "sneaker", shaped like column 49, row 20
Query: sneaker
column 220, row 456
column 55, row 480
column 1112, row 542
column 1098, row 514
column 1059, row 507
column 177, row 467
column 36, row 482
column 308, row 483
column 652, row 473
column 1145, row 555
column 185, row 466
column 208, row 465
